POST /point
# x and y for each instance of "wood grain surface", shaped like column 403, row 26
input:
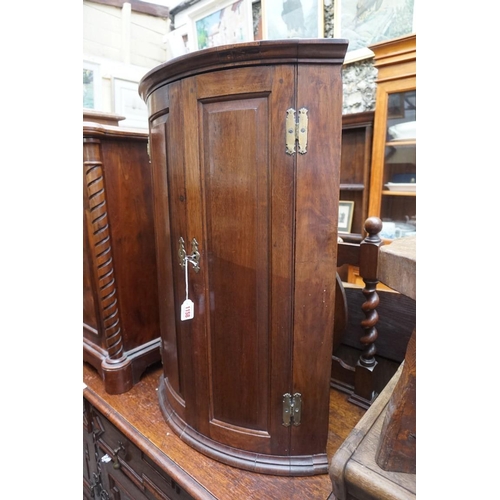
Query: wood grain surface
column 137, row 415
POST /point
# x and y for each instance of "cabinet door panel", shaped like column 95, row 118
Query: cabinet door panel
column 230, row 199
column 237, row 188
column 237, row 239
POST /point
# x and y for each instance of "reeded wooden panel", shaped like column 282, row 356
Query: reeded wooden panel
column 236, row 180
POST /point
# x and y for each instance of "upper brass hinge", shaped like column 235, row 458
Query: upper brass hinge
column 292, row 409
column 296, row 131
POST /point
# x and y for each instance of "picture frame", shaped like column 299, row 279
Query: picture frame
column 346, row 211
column 128, row 103
column 292, row 19
column 221, row 22
column 367, row 23
column 92, row 85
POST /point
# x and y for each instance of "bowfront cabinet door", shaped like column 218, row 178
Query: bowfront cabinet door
column 219, row 189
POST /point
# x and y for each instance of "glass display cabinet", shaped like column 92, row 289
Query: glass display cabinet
column 393, row 176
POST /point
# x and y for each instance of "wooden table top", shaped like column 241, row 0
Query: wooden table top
column 137, row 414
column 397, row 266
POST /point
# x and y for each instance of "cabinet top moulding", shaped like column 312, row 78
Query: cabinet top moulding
column 290, row 51
column 91, row 129
column 395, row 58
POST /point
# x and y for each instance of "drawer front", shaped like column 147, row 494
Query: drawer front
column 126, row 471
column 90, row 469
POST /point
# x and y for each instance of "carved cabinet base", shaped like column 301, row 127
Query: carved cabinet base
column 121, row 376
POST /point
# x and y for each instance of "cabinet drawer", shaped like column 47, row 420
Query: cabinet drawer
column 127, row 472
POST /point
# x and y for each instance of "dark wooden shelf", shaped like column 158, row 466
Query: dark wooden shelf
column 352, row 187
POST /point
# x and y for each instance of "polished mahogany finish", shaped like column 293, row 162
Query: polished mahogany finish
column 264, row 223
column 121, row 334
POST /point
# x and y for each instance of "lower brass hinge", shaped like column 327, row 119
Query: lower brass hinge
column 292, row 409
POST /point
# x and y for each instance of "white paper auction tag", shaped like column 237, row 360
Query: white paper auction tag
column 187, row 310
column 187, row 307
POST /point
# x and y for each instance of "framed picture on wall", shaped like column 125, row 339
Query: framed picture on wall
column 129, row 104
column 367, row 22
column 221, row 22
column 292, row 19
column 91, row 85
column 346, row 210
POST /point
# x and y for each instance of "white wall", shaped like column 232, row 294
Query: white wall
column 121, row 46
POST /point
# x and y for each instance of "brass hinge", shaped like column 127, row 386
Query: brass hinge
column 296, row 132
column 292, row 409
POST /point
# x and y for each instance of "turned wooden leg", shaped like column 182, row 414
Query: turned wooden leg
column 364, row 387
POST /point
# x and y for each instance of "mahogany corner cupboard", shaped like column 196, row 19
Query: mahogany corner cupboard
column 245, row 149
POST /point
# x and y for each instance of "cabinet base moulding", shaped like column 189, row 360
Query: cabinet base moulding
column 303, row 465
column 121, row 375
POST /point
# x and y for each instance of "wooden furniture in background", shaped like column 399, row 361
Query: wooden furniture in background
column 394, row 138
column 121, row 334
column 147, row 460
column 373, row 324
column 398, row 446
column 91, row 115
column 246, row 161
column 364, row 256
column 357, row 131
column 354, row 473
column 377, row 460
